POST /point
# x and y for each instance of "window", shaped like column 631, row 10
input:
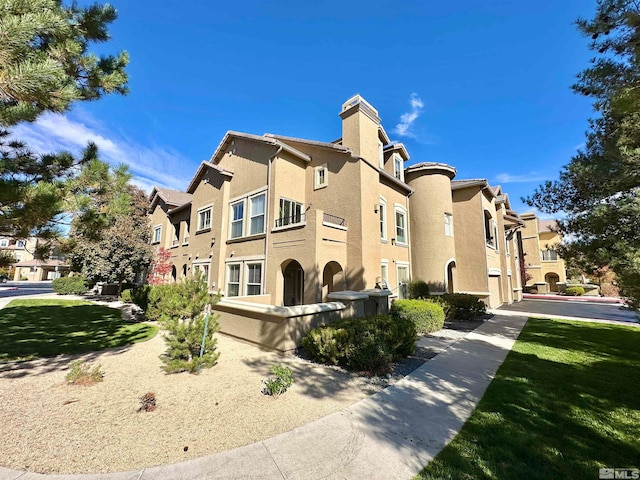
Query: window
column 204, row 218
column 187, row 227
column 383, row 219
column 21, row 244
column 157, row 234
column 448, row 225
column 321, row 180
column 397, row 168
column 201, row 269
column 401, row 226
column 233, row 280
column 4, row 242
column 237, row 219
column 487, row 228
column 506, row 245
column 254, row 278
column 495, row 235
column 549, row 255
column 380, row 154
column 290, row 213
column 18, row 257
column 256, row 222
column 384, row 274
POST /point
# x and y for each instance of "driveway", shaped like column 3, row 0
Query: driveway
column 573, row 309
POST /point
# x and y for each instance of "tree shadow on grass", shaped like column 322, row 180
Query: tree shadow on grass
column 46, row 330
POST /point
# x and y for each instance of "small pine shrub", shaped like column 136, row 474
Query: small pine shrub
column 427, row 316
column 462, row 306
column 576, row 291
column 281, row 383
column 418, row 289
column 81, row 373
column 126, row 296
column 76, row 285
column 147, row 402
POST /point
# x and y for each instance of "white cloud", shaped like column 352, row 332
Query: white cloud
column 406, row 119
column 524, row 178
column 150, row 165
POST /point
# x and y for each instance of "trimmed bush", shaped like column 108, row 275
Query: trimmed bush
column 137, row 295
column 418, row 289
column 70, row 285
column 576, row 291
column 462, row 306
column 427, row 316
column 362, row 344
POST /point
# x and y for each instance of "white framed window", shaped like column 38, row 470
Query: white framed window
column 233, row 279
column 257, row 205
column 291, row 213
column 4, row 242
column 237, row 219
column 448, row 224
column 321, row 177
column 201, row 269
column 204, row 218
column 398, row 171
column 549, row 255
column 384, row 274
column 507, row 249
column 401, row 225
column 253, row 277
column 402, row 274
column 157, row 233
column 383, row 219
column 487, row 228
column 495, row 235
column 380, row 154
column 21, row 244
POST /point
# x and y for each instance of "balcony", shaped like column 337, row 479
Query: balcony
column 298, row 219
column 334, row 220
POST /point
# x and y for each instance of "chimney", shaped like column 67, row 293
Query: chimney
column 360, row 122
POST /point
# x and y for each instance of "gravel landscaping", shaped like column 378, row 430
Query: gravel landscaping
column 51, row 427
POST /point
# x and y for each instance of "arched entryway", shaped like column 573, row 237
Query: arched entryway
column 174, row 274
column 450, row 270
column 293, row 291
column 552, row 279
column 332, row 279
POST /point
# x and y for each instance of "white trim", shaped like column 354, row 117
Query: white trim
column 450, row 224
column 232, row 204
column 384, row 235
column 334, row 225
column 198, row 263
column 316, row 184
column 397, row 157
column 208, row 208
column 399, row 208
column 249, row 194
column 479, row 294
column 245, row 283
column 246, row 258
column 251, row 216
column 226, row 278
column 156, row 228
column 384, row 263
column 446, row 271
column 494, row 272
column 277, row 311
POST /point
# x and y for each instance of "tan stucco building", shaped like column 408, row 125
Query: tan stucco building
column 27, row 267
column 544, row 268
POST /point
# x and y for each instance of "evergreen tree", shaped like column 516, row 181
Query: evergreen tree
column 599, row 190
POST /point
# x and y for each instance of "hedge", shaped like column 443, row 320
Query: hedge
column 362, row 344
column 576, row 291
column 427, row 316
column 418, row 289
column 76, row 285
column 462, row 306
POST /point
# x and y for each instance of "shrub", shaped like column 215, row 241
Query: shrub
column 462, row 306
column 81, row 373
column 576, row 291
column 427, row 316
column 147, row 402
column 137, row 295
column 418, row 289
column 281, row 383
column 181, row 312
column 126, row 296
column 76, row 285
column 360, row 344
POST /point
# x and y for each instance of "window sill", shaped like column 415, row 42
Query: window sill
column 401, row 244
column 203, row 230
column 289, row 227
column 246, row 239
column 155, row 243
column 384, row 240
column 320, row 187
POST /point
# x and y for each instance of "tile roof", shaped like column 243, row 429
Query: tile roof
column 173, row 197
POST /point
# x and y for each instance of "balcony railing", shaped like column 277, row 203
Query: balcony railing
column 293, row 220
column 334, row 220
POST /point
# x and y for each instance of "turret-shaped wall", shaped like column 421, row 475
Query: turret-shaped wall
column 432, row 225
column 360, row 124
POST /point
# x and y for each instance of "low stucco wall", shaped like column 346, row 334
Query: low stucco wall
column 279, row 328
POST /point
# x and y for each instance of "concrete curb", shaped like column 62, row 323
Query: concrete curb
column 511, row 313
column 390, row 435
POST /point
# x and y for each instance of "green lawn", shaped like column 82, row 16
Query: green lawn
column 44, row 328
column 565, row 402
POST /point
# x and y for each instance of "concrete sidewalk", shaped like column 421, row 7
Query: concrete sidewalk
column 390, row 435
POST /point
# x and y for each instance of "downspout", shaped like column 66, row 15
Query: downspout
column 267, row 220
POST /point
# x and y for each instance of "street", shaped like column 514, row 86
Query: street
column 20, row 289
column 574, row 309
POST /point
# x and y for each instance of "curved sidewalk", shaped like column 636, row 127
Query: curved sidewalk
column 390, row 435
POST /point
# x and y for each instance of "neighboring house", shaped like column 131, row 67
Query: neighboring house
column 26, row 266
column 543, row 265
column 285, row 221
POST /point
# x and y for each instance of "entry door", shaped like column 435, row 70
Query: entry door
column 403, row 280
column 293, row 285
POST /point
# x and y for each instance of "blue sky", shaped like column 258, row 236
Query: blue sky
column 481, row 85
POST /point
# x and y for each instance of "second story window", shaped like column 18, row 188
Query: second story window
column 401, row 227
column 549, row 255
column 398, row 171
column 204, row 218
column 448, row 225
column 256, row 223
column 383, row 219
column 157, row 234
column 21, row 244
column 4, row 242
column 321, row 180
column 291, row 213
column 488, row 227
column 237, row 219
column 380, row 155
